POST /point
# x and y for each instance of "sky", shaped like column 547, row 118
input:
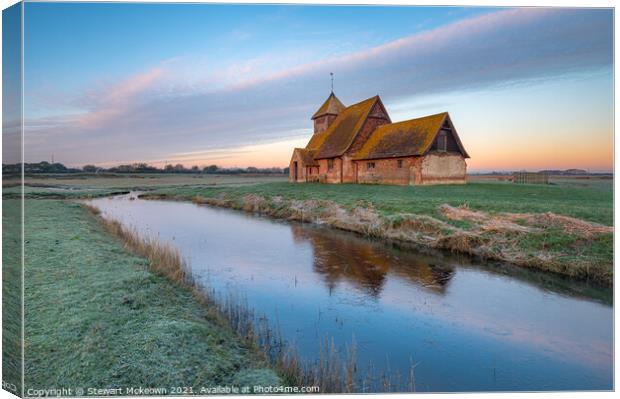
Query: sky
column 236, row 85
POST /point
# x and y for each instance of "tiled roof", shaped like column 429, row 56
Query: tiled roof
column 307, row 156
column 331, row 106
column 339, row 135
column 407, row 138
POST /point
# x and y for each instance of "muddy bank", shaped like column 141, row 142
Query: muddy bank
column 533, row 240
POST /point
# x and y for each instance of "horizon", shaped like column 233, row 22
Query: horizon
column 234, row 167
column 236, row 85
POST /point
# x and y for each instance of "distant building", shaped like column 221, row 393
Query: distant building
column 360, row 144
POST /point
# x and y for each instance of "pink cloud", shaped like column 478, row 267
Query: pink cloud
column 114, row 101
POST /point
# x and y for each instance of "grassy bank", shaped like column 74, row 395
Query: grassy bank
column 11, row 296
column 98, row 316
column 562, row 228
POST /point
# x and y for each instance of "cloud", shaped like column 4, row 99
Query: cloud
column 112, row 102
column 157, row 113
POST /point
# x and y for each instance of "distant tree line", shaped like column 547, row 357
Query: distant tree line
column 140, row 167
column 41, row 167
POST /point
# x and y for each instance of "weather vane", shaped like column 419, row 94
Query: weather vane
column 332, row 76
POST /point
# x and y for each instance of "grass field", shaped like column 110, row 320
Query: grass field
column 588, row 199
column 593, row 202
column 96, row 316
column 11, row 296
column 134, row 181
column 68, row 186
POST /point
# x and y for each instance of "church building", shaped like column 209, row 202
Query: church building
column 360, row 144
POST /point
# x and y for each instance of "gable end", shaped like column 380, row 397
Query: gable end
column 446, row 139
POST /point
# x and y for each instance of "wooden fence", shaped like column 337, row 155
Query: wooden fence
column 530, row 177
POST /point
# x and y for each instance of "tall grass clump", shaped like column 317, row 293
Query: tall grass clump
column 332, row 372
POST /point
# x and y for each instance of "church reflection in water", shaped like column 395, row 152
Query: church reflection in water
column 366, row 264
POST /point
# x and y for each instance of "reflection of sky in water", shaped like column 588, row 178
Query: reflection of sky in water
column 467, row 328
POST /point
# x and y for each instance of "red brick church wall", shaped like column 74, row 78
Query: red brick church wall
column 387, row 171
